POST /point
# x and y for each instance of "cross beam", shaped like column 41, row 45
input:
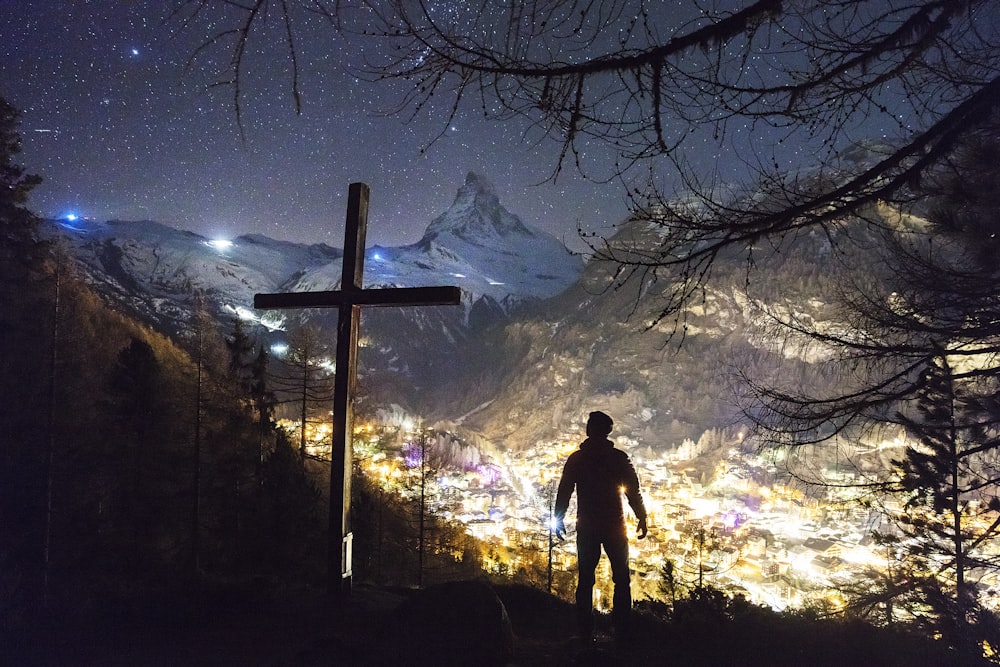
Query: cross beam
column 348, row 300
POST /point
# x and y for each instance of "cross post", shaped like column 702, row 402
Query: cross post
column 348, row 300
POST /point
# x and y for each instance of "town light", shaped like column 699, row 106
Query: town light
column 220, row 244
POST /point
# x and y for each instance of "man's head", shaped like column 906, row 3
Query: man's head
column 599, row 425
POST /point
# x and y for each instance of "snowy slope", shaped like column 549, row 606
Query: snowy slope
column 508, row 256
column 477, row 245
column 155, row 270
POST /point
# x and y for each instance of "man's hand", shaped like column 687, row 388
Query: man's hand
column 560, row 529
column 641, row 529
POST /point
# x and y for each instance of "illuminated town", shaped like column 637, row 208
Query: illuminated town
column 774, row 544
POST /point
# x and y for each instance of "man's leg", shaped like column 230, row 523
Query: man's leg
column 617, row 548
column 588, row 552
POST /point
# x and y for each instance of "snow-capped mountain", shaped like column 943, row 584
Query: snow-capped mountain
column 154, row 272
column 510, row 257
column 476, row 244
column 571, row 339
column 601, row 345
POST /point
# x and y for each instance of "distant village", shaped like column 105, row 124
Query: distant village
column 779, row 545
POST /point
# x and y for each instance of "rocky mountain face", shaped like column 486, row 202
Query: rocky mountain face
column 514, row 261
column 602, row 345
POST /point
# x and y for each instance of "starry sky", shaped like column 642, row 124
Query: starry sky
column 120, row 128
column 123, row 124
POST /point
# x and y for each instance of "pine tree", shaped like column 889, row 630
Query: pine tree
column 135, row 388
column 17, row 223
column 948, row 477
column 304, row 381
column 248, row 363
column 25, row 376
column 291, row 519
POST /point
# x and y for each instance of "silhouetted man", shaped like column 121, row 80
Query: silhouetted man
column 600, row 474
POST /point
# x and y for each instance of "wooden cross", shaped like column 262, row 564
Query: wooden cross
column 348, row 300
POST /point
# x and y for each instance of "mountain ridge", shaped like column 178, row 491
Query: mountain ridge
column 157, row 273
column 476, row 215
column 525, row 355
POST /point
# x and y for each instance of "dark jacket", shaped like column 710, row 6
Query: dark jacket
column 600, row 474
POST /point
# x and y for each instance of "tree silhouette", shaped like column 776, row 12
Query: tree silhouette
column 915, row 352
column 904, row 294
column 292, row 523
column 763, row 82
column 952, row 511
column 304, row 381
column 203, row 357
column 135, row 388
column 26, row 307
column 425, row 460
column 15, row 183
column 248, row 361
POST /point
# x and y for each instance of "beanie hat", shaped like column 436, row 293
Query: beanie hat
column 599, row 423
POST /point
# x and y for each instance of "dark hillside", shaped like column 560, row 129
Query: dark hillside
column 219, row 626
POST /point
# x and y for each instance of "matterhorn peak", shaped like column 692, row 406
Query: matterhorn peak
column 479, row 234
column 476, row 186
column 478, row 182
column 477, row 217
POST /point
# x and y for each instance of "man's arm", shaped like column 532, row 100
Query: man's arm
column 566, row 485
column 635, row 497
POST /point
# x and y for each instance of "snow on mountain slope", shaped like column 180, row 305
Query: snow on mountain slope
column 476, row 245
column 505, row 253
column 157, row 256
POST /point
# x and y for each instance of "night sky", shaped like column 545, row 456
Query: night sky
column 119, row 130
